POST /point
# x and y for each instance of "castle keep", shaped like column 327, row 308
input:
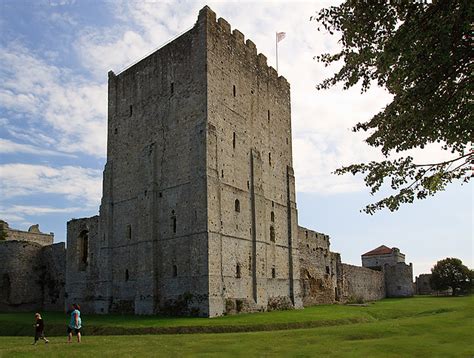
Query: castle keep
column 198, row 214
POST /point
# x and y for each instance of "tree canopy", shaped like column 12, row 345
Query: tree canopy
column 422, row 54
column 451, row 273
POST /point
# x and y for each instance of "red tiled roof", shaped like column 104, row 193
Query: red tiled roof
column 381, row 250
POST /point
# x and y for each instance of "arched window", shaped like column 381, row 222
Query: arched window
column 272, row 234
column 237, row 205
column 237, row 271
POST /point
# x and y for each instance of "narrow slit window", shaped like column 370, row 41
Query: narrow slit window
column 173, row 223
column 272, row 234
column 172, row 88
column 233, row 90
column 175, row 271
column 237, row 271
column 129, row 232
column 269, row 158
column 127, row 275
column 233, row 140
column 273, row 272
column 328, row 270
column 272, row 217
column 131, row 110
column 268, row 116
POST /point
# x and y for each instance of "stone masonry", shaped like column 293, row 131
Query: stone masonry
column 198, row 214
column 398, row 276
column 32, row 271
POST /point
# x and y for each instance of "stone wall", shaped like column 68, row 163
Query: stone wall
column 32, row 235
column 357, row 284
column 318, row 268
column 31, row 276
column 252, row 218
column 398, row 280
column 422, row 285
column 53, row 263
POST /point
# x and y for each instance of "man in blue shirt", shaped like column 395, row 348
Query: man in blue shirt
column 75, row 324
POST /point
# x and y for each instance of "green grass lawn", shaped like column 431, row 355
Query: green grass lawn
column 421, row 326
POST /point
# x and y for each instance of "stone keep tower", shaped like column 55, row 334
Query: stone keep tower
column 198, row 214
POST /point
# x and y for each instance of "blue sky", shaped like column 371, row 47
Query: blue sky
column 54, row 59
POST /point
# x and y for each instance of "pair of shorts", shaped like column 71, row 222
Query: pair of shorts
column 76, row 330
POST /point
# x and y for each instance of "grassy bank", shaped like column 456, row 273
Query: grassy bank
column 19, row 324
column 418, row 327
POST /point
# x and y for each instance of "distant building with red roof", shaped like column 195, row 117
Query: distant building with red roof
column 377, row 258
column 398, row 275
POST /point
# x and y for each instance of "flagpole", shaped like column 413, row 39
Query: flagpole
column 276, row 49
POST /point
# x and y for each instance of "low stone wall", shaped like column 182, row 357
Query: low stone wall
column 357, row 284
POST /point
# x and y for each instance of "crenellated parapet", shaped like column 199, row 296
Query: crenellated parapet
column 236, row 39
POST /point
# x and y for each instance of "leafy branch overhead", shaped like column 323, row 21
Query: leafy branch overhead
column 422, row 54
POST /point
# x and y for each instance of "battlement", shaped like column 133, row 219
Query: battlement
column 237, row 39
column 314, row 239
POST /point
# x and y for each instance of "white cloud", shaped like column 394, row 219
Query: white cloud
column 38, row 210
column 8, row 146
column 77, row 184
column 52, row 99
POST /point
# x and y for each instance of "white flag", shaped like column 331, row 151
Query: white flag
column 280, row 36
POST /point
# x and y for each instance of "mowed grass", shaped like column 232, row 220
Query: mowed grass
column 420, row 327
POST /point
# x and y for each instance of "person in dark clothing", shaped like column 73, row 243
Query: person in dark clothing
column 39, row 329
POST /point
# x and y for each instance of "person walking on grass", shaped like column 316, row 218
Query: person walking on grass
column 39, row 329
column 75, row 324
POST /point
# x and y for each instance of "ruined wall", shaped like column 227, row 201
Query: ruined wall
column 32, row 235
column 360, row 284
column 83, row 263
column 29, row 276
column 53, row 262
column 398, row 280
column 252, row 223
column 318, row 268
column 422, row 284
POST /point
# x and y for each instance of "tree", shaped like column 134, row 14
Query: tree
column 451, row 273
column 421, row 53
